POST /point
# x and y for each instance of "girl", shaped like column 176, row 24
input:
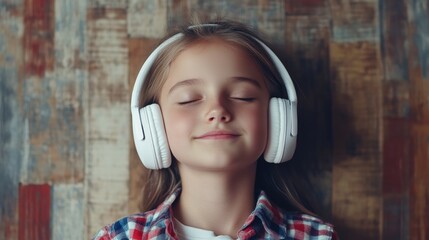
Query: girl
column 210, row 116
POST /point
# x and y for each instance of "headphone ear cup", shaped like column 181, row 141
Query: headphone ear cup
column 281, row 143
column 153, row 149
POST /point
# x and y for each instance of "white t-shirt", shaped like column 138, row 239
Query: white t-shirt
column 190, row 233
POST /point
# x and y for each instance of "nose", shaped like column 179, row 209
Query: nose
column 218, row 112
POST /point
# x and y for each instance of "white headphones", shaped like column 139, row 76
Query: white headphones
column 148, row 126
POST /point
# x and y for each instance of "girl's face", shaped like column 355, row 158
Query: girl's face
column 215, row 107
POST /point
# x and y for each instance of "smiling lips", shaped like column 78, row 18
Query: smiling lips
column 218, row 135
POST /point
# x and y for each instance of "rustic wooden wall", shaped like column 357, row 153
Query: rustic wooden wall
column 67, row 161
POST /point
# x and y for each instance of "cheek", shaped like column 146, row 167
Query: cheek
column 257, row 123
column 177, row 125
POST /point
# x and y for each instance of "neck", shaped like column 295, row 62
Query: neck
column 216, row 201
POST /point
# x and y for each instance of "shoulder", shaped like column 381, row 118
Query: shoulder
column 303, row 226
column 155, row 223
column 130, row 227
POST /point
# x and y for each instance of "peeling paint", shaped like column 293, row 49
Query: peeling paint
column 68, row 206
column 147, row 18
column 34, row 211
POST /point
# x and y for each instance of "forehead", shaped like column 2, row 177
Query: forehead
column 214, row 53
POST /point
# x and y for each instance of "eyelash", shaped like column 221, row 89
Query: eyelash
column 244, row 99
column 234, row 98
column 186, row 102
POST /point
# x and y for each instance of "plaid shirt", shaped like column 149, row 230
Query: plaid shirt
column 265, row 222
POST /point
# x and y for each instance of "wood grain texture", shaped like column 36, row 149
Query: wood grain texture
column 265, row 16
column 419, row 106
column 317, row 8
column 356, row 171
column 107, row 118
column 100, row 4
column 419, row 190
column 34, row 212
column 418, row 11
column 306, row 51
column 394, row 37
column 396, row 123
column 396, row 177
column 354, row 21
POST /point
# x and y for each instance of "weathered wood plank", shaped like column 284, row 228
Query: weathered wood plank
column 418, row 15
column 356, row 171
column 306, row 7
column 147, row 18
column 419, row 114
column 419, row 188
column 396, row 158
column 11, row 116
column 38, row 63
column 34, row 212
column 53, row 90
column 396, row 124
column 118, row 4
column 419, row 106
column 394, row 39
column 265, row 16
column 307, row 51
column 107, row 118
column 138, row 49
column 67, row 131
column 38, row 36
column 68, row 211
column 354, row 21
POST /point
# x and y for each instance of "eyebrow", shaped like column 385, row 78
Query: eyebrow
column 186, row 82
column 247, row 79
column 194, row 81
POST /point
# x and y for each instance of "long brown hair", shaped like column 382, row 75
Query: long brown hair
column 275, row 180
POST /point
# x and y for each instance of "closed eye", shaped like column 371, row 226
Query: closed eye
column 187, row 102
column 244, row 99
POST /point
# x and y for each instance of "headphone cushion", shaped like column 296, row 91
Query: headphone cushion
column 153, row 127
column 278, row 131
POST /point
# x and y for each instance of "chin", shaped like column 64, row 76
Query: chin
column 218, row 164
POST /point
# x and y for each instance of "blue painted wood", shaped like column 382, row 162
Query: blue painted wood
column 11, row 116
column 419, row 11
column 393, row 35
column 354, row 21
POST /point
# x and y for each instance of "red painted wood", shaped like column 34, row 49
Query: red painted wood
column 34, row 212
column 396, row 155
column 306, row 7
column 38, row 36
column 396, row 159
